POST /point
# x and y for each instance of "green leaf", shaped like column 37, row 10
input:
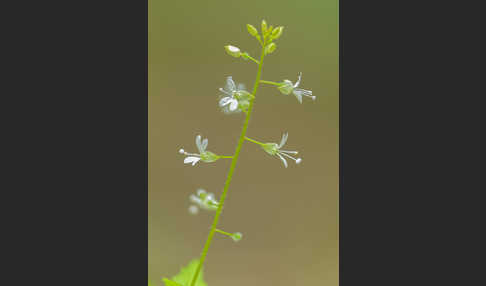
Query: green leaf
column 184, row 277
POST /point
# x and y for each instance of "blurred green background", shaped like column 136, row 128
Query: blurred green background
column 288, row 217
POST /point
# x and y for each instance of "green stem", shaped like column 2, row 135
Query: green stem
column 224, row 232
column 251, row 58
column 271, row 82
column 225, row 157
column 254, row 141
column 230, row 172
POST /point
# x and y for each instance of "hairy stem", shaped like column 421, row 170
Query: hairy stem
column 230, row 172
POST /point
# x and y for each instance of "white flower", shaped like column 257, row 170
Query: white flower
column 274, row 150
column 237, row 98
column 203, row 200
column 287, row 87
column 205, row 156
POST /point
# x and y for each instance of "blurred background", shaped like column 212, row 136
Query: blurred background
column 288, row 217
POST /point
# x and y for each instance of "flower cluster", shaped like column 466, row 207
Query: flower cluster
column 235, row 99
column 203, row 200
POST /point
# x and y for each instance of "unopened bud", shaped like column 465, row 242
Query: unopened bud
column 277, row 32
column 252, row 30
column 270, row 48
column 233, row 51
column 237, row 236
column 264, row 27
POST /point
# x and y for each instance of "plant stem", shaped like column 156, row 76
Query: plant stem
column 224, row 232
column 225, row 157
column 271, row 82
column 251, row 58
column 230, row 172
column 254, row 141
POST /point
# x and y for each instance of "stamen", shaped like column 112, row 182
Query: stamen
column 286, row 155
column 289, row 152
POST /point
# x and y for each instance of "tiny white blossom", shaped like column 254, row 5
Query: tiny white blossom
column 274, row 150
column 205, row 156
column 287, row 87
column 203, row 200
column 193, row 210
column 236, row 99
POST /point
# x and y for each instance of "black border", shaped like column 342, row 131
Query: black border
column 79, row 144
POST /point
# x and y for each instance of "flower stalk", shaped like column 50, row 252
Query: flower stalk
column 231, row 170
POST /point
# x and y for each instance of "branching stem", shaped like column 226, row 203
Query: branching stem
column 270, row 82
column 230, row 172
column 254, row 141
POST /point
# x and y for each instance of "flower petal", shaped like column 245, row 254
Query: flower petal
column 224, row 101
column 230, row 84
column 241, row 86
column 284, row 139
column 192, row 160
column 233, row 105
column 298, row 80
column 283, row 160
column 199, row 144
column 298, row 94
column 225, row 91
column 204, row 144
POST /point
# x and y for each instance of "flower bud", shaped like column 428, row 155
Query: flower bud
column 270, row 48
column 252, row 30
column 264, row 27
column 233, row 51
column 277, row 32
column 237, row 236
